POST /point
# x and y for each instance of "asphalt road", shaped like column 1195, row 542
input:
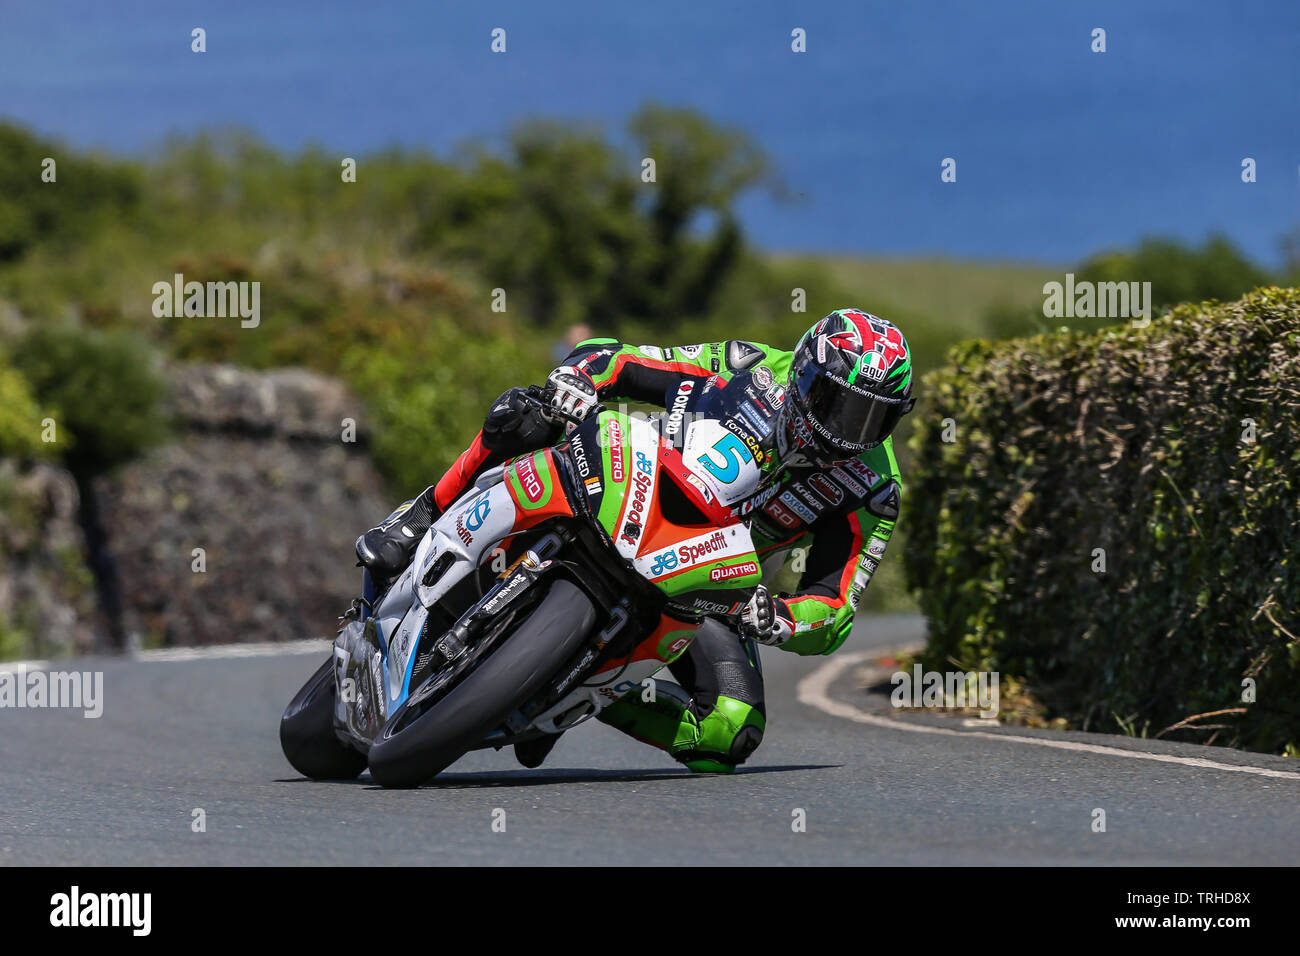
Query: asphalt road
column 181, row 735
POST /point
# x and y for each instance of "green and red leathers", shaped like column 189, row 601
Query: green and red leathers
column 842, row 517
column 831, row 525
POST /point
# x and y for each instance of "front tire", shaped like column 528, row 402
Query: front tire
column 307, row 732
column 408, row 752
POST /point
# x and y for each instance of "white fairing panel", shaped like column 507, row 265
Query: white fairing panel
column 467, row 530
column 584, row 702
column 719, row 459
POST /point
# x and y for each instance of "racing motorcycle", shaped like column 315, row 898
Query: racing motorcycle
column 559, row 582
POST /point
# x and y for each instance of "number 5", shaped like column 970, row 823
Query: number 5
column 728, row 470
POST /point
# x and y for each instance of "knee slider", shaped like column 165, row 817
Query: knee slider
column 745, row 743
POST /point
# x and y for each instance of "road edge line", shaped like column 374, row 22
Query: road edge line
column 813, row 690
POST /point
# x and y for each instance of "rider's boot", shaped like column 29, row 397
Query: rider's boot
column 511, row 428
column 386, row 549
column 531, row 753
column 716, row 742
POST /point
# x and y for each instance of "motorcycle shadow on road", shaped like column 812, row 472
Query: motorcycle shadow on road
column 561, row 776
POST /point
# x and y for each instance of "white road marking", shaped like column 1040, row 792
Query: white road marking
column 813, row 691
column 211, row 652
column 224, row 651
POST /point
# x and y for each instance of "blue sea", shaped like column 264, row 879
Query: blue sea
column 1059, row 151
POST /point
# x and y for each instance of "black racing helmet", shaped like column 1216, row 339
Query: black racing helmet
column 850, row 383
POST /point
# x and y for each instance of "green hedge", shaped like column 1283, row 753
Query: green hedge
column 1133, row 441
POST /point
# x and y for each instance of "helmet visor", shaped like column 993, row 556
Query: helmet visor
column 846, row 419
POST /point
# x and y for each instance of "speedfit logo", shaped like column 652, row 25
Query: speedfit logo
column 74, row 909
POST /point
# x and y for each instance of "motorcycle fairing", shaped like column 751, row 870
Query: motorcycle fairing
column 616, row 677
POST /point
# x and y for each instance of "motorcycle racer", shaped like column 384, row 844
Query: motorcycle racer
column 818, row 421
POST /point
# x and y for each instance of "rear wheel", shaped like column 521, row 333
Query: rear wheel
column 427, row 734
column 307, row 732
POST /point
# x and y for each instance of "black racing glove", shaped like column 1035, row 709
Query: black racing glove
column 514, row 426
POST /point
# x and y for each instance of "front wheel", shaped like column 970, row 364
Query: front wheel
column 422, row 739
column 307, row 732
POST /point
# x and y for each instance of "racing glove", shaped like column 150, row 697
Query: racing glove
column 766, row 619
column 513, row 426
column 574, row 392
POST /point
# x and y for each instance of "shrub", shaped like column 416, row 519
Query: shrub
column 1175, row 450
column 109, row 396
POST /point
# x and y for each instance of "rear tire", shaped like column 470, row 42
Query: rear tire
column 307, row 732
column 505, row 679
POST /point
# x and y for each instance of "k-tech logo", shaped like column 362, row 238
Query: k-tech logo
column 826, row 488
column 876, row 548
column 734, row 571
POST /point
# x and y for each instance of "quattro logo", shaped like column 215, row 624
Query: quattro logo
column 616, row 473
column 530, row 480
column 733, row 571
